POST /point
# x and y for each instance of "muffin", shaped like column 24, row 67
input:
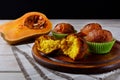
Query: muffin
column 62, row 29
column 47, row 44
column 89, row 27
column 100, row 41
column 99, row 36
column 74, row 47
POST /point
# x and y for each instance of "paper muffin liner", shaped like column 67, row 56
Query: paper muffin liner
column 100, row 48
column 59, row 35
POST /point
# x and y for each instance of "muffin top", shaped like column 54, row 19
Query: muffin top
column 99, row 36
column 89, row 27
column 64, row 28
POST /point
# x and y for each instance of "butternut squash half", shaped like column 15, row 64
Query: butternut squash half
column 29, row 26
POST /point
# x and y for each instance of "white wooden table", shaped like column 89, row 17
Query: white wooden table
column 17, row 63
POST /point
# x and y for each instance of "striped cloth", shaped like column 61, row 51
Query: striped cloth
column 34, row 71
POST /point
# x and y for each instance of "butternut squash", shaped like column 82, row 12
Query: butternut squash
column 28, row 26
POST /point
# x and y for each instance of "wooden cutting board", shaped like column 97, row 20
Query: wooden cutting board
column 90, row 64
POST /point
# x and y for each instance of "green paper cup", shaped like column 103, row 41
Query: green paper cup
column 100, row 48
column 59, row 35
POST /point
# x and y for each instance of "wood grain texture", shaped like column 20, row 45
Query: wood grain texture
column 91, row 64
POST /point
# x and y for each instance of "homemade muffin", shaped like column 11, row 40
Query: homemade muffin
column 100, row 41
column 47, row 44
column 99, row 36
column 74, row 47
column 89, row 27
column 62, row 29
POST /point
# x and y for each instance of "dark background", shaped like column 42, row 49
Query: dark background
column 61, row 9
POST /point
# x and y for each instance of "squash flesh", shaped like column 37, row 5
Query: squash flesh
column 16, row 30
column 22, row 31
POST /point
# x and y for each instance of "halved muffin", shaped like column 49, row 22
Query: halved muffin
column 47, row 44
column 74, row 47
